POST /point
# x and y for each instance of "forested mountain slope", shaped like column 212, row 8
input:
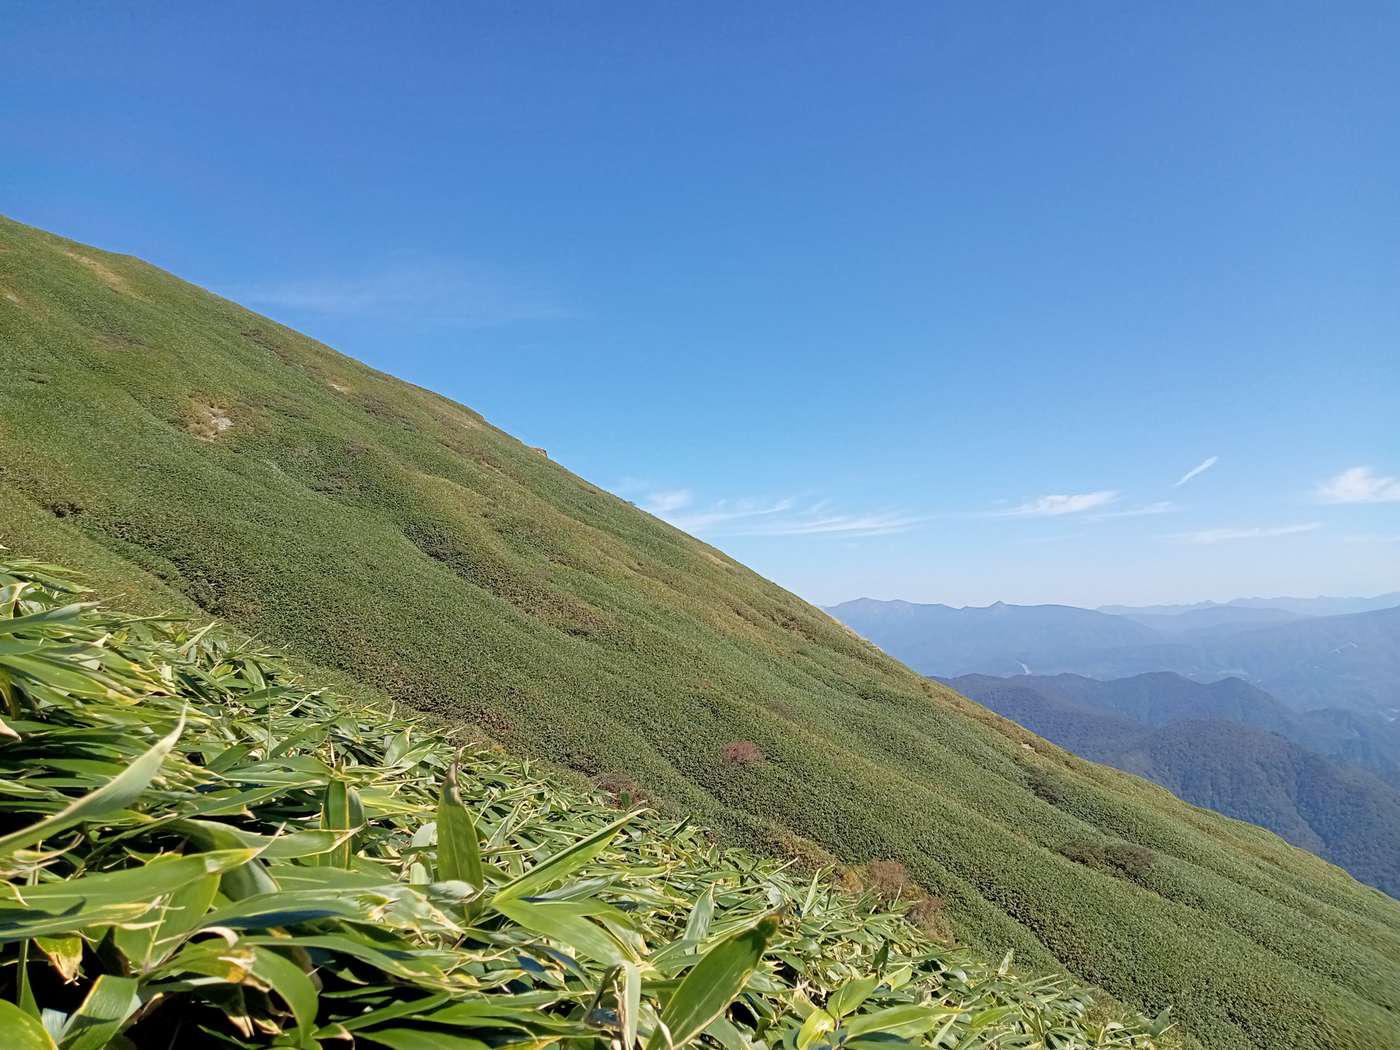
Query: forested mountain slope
column 1225, row 745
column 172, row 443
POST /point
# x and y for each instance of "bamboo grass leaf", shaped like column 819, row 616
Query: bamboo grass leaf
column 712, row 984
column 116, row 794
column 565, row 861
column 458, row 846
column 289, row 982
column 22, row 1031
column 101, row 1015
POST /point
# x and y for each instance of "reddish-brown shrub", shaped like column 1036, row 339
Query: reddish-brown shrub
column 743, row 752
column 889, row 879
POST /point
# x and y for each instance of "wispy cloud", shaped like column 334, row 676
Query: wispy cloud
column 810, row 523
column 1056, row 505
column 666, row 502
column 773, row 517
column 1359, row 485
column 1199, row 469
column 719, row 516
column 432, row 289
column 1164, row 506
column 1259, row 533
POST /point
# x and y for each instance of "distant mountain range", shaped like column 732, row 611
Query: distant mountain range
column 995, row 639
column 1229, row 746
column 1349, row 661
column 1325, row 606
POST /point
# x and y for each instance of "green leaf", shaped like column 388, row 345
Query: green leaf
column 631, row 1003
column 117, row 793
column 458, row 846
column 54, row 908
column 66, row 954
column 697, row 926
column 818, row 1023
column 102, row 1014
column 567, row 924
column 287, row 980
column 63, row 614
column 849, row 996
column 397, row 749
column 149, row 941
column 712, row 984
column 417, row 1039
column 906, row 1021
column 340, row 812
column 23, row 1032
column 563, row 862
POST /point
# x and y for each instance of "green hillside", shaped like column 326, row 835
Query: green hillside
column 189, row 454
column 196, row 847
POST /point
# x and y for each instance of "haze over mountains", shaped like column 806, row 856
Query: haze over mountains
column 1335, row 661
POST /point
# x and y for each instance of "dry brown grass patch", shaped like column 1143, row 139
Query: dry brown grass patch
column 928, row 915
column 207, row 421
column 105, row 274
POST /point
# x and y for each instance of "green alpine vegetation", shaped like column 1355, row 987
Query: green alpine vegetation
column 198, row 849
column 190, row 456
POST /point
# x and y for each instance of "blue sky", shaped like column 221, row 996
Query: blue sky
column 931, row 301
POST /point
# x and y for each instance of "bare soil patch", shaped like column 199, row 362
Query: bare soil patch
column 207, row 421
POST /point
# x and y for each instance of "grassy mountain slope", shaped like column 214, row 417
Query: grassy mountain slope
column 1225, row 745
column 173, row 444
column 298, row 868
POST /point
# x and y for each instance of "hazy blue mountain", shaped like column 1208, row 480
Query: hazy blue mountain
column 1350, row 661
column 1211, row 620
column 1162, row 698
column 1157, row 698
column 1183, row 735
column 996, row 639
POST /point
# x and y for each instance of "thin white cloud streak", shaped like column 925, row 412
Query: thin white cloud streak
column 431, row 289
column 779, row 517
column 659, row 503
column 1211, row 536
column 1372, row 537
column 1359, row 485
column 722, row 514
column 852, row 525
column 1055, row 506
column 1199, row 469
column 1164, row 506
